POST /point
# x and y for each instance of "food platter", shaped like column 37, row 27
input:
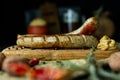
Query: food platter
column 61, row 57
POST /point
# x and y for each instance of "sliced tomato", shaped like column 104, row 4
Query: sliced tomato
column 18, row 69
column 47, row 74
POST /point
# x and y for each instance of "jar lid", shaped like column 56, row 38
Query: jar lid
column 37, row 22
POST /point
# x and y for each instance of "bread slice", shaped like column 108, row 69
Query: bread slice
column 53, row 54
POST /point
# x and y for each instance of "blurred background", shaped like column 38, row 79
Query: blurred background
column 56, row 16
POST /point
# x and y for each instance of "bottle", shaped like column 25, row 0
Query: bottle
column 70, row 21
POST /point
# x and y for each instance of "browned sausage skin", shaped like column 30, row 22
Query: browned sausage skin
column 57, row 41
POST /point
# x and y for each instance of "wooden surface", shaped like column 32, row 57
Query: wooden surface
column 51, row 54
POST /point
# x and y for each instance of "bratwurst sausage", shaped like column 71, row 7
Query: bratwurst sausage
column 56, row 41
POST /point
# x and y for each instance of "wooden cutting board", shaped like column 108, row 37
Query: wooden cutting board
column 52, row 54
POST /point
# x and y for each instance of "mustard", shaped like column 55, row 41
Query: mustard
column 107, row 44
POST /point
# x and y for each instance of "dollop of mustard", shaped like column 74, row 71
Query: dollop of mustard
column 106, row 43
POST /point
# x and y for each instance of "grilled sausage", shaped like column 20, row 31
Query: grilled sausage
column 57, row 41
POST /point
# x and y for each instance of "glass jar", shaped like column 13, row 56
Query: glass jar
column 37, row 26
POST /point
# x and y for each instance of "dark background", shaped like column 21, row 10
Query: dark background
column 14, row 19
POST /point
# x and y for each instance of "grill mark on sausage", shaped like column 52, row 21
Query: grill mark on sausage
column 57, row 42
column 69, row 39
column 44, row 38
column 83, row 36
